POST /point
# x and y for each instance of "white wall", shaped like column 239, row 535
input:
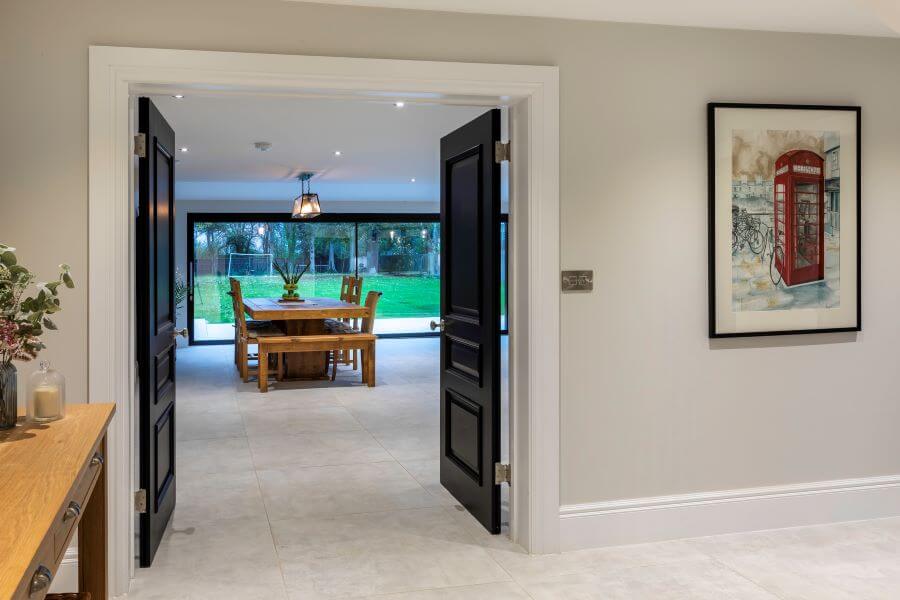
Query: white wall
column 649, row 405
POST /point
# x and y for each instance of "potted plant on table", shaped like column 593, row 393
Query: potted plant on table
column 290, row 272
column 23, row 319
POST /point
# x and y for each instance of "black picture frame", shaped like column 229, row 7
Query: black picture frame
column 711, row 157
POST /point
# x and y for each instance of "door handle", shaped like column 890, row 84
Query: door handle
column 439, row 325
column 180, row 332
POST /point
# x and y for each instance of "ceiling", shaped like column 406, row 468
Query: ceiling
column 382, row 147
column 851, row 17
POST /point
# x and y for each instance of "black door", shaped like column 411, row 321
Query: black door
column 155, row 318
column 470, row 311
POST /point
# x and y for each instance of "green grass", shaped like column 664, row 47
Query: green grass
column 413, row 296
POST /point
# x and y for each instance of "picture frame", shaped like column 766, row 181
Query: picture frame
column 784, row 219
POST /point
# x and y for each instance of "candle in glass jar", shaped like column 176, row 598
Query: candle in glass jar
column 46, row 402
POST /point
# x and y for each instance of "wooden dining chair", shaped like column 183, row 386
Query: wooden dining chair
column 367, row 327
column 252, row 324
column 250, row 336
column 351, row 293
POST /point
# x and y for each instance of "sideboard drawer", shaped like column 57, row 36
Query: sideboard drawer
column 36, row 582
column 71, row 515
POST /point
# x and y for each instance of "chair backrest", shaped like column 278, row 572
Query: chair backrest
column 237, row 305
column 345, row 287
column 354, row 291
column 368, row 323
column 351, row 289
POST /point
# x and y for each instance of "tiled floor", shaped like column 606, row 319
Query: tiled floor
column 331, row 491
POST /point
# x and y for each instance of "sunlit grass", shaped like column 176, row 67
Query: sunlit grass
column 412, row 296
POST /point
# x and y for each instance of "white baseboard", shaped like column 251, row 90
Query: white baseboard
column 66, row 578
column 639, row 520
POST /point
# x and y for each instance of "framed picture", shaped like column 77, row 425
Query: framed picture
column 784, row 219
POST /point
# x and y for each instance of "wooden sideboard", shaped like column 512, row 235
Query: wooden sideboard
column 52, row 482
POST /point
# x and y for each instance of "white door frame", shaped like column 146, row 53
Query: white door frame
column 531, row 92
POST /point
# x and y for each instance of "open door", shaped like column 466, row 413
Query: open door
column 470, row 317
column 155, row 321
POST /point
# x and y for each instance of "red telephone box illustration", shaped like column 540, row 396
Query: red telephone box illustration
column 800, row 217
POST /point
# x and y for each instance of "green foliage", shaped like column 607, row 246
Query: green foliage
column 23, row 318
column 181, row 288
column 289, row 270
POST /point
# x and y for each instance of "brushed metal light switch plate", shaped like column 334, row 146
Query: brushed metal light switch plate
column 578, row 281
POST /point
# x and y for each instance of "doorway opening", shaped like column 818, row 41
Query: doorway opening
column 422, row 448
column 532, row 95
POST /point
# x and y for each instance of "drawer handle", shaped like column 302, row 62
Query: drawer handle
column 97, row 460
column 72, row 511
column 40, row 581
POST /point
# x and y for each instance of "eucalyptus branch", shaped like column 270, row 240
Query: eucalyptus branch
column 23, row 318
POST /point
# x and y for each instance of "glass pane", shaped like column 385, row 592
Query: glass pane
column 504, row 287
column 249, row 252
column 806, row 224
column 402, row 260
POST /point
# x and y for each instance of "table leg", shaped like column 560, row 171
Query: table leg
column 304, row 365
column 92, row 551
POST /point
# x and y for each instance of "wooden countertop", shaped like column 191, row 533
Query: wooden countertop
column 38, row 465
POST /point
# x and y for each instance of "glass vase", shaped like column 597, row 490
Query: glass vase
column 8, row 396
column 46, row 395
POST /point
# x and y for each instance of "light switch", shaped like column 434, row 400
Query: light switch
column 577, row 281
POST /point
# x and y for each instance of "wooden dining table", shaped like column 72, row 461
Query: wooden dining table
column 303, row 318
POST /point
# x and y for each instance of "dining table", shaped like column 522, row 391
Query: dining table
column 306, row 317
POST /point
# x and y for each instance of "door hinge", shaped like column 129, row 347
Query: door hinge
column 140, row 145
column 502, row 473
column 501, row 152
column 140, row 501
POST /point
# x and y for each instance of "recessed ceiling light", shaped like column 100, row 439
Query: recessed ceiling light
column 337, row 152
column 183, row 149
column 178, row 96
column 399, row 104
column 413, row 180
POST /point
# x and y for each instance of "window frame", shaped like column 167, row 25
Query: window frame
column 285, row 217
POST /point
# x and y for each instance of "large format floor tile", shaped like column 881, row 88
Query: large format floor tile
column 316, row 449
column 487, row 591
column 207, row 425
column 291, row 492
column 682, row 580
column 226, row 581
column 428, row 474
column 321, row 490
column 217, row 455
column 834, row 562
column 217, row 497
column 410, row 443
column 375, row 553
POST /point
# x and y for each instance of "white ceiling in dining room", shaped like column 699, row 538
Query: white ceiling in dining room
column 849, row 17
column 383, row 148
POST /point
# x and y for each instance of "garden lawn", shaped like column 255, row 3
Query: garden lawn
column 413, row 296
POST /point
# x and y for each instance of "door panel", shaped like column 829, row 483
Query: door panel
column 155, row 322
column 163, row 205
column 464, row 205
column 470, row 306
